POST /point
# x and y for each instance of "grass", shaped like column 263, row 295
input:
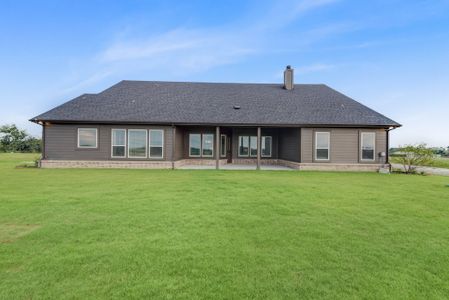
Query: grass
column 439, row 162
column 206, row 234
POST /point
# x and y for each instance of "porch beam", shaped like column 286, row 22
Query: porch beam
column 217, row 147
column 258, row 147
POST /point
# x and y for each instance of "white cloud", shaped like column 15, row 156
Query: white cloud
column 187, row 50
column 200, row 49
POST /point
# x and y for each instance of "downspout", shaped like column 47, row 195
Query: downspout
column 43, row 141
column 387, row 159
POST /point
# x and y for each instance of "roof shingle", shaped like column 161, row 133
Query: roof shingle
column 213, row 103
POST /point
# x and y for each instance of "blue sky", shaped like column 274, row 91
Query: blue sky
column 390, row 55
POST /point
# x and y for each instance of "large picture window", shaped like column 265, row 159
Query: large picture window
column 87, row 137
column 156, row 143
column 248, row 146
column 208, row 145
column 368, row 141
column 201, row 145
column 322, row 141
column 253, row 146
column 243, row 145
column 266, row 146
column 137, row 143
column 118, row 142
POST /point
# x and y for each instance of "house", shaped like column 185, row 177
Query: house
column 150, row 124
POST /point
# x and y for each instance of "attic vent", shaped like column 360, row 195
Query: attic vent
column 236, row 106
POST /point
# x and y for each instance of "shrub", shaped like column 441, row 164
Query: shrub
column 413, row 156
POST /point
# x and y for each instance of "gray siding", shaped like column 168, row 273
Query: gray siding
column 344, row 145
column 61, row 142
column 179, row 143
column 306, row 145
column 289, row 144
column 293, row 144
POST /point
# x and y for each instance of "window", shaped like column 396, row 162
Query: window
column 322, row 141
column 243, row 145
column 223, row 145
column 195, row 145
column 253, row 146
column 87, row 137
column 368, row 141
column 266, row 146
column 156, row 143
column 208, row 145
column 201, row 145
column 118, row 143
column 137, row 143
column 248, row 146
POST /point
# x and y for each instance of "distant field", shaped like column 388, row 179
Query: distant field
column 207, row 234
column 437, row 163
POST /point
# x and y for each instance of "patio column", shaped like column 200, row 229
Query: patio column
column 258, row 147
column 217, row 147
column 173, row 150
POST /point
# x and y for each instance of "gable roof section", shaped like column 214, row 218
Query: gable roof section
column 213, row 103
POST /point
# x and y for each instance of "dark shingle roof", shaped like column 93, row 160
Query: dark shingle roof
column 213, row 103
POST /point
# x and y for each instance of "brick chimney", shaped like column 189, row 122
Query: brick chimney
column 288, row 78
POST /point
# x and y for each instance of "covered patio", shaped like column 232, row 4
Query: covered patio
column 236, row 147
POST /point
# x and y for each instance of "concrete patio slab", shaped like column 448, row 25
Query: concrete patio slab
column 237, row 167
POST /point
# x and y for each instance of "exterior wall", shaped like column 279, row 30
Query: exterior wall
column 179, row 143
column 344, row 145
column 306, row 145
column 289, row 144
column 61, row 142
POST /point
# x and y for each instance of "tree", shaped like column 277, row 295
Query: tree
column 415, row 155
column 13, row 139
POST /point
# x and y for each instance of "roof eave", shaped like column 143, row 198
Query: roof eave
column 39, row 121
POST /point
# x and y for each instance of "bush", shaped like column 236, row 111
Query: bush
column 413, row 156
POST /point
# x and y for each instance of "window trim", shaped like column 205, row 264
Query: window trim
column 328, row 146
column 225, row 145
column 112, row 142
column 201, row 145
column 96, row 138
column 149, row 143
column 213, row 146
column 146, row 143
column 361, row 145
column 271, row 146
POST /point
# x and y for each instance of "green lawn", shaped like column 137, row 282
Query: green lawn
column 439, row 162
column 206, row 234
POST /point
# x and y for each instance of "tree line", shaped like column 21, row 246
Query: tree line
column 13, row 139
